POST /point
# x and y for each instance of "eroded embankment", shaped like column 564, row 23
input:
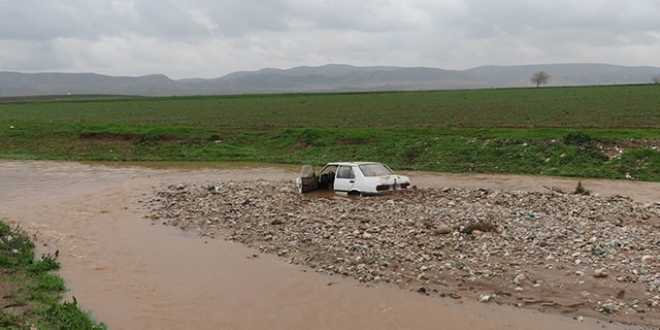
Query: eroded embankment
column 587, row 255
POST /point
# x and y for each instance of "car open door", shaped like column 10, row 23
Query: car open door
column 307, row 181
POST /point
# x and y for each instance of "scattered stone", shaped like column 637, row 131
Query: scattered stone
column 648, row 259
column 276, row 221
column 443, row 230
column 419, row 238
column 621, row 294
column 609, row 308
column 519, row 279
column 599, row 252
column 600, row 273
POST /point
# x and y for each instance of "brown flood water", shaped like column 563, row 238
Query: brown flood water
column 135, row 275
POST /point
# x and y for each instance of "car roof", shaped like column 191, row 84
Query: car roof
column 353, row 163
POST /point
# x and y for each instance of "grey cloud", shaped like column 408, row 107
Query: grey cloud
column 45, row 20
column 204, row 37
column 518, row 18
column 205, row 19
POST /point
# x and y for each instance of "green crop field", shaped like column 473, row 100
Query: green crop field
column 636, row 106
column 597, row 131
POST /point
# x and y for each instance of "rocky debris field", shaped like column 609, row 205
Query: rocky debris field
column 564, row 252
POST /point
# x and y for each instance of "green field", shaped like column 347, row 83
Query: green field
column 569, row 131
column 584, row 107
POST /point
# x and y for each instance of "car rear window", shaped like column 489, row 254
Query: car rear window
column 375, row 170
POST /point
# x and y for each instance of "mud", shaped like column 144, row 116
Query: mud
column 135, row 275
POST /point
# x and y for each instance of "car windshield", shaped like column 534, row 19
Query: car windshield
column 375, row 170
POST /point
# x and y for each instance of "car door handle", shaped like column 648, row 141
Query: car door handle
column 352, row 181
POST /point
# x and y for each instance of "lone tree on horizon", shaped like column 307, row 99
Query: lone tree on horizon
column 656, row 79
column 540, row 78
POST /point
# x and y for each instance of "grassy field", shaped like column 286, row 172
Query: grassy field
column 633, row 106
column 31, row 295
column 606, row 132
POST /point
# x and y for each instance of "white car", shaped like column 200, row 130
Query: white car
column 352, row 178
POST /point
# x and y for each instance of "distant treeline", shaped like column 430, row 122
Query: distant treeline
column 60, row 96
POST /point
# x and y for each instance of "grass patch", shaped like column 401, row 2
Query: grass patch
column 31, row 296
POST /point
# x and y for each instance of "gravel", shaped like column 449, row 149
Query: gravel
column 547, row 250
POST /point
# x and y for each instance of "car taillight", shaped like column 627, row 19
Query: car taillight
column 405, row 185
column 383, row 187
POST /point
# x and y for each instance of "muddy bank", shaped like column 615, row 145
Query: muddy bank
column 553, row 251
column 133, row 274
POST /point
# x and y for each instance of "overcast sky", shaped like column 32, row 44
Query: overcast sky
column 211, row 38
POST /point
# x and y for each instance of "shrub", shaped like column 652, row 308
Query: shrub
column 577, row 138
column 312, row 137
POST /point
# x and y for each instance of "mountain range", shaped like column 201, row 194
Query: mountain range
column 327, row 78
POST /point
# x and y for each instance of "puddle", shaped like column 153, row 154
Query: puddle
column 136, row 274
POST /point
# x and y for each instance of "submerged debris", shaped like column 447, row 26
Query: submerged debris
column 524, row 248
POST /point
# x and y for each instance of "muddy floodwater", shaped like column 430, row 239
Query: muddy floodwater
column 132, row 273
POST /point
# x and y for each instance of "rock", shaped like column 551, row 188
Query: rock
column 609, row 308
column 443, row 230
column 621, row 294
column 519, row 279
column 600, row 273
column 648, row 259
column 598, row 252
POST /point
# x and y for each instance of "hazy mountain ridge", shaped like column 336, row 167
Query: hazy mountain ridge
column 327, row 78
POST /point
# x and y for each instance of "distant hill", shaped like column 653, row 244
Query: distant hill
column 327, row 78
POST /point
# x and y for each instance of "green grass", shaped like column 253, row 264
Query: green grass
column 525, row 130
column 31, row 295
